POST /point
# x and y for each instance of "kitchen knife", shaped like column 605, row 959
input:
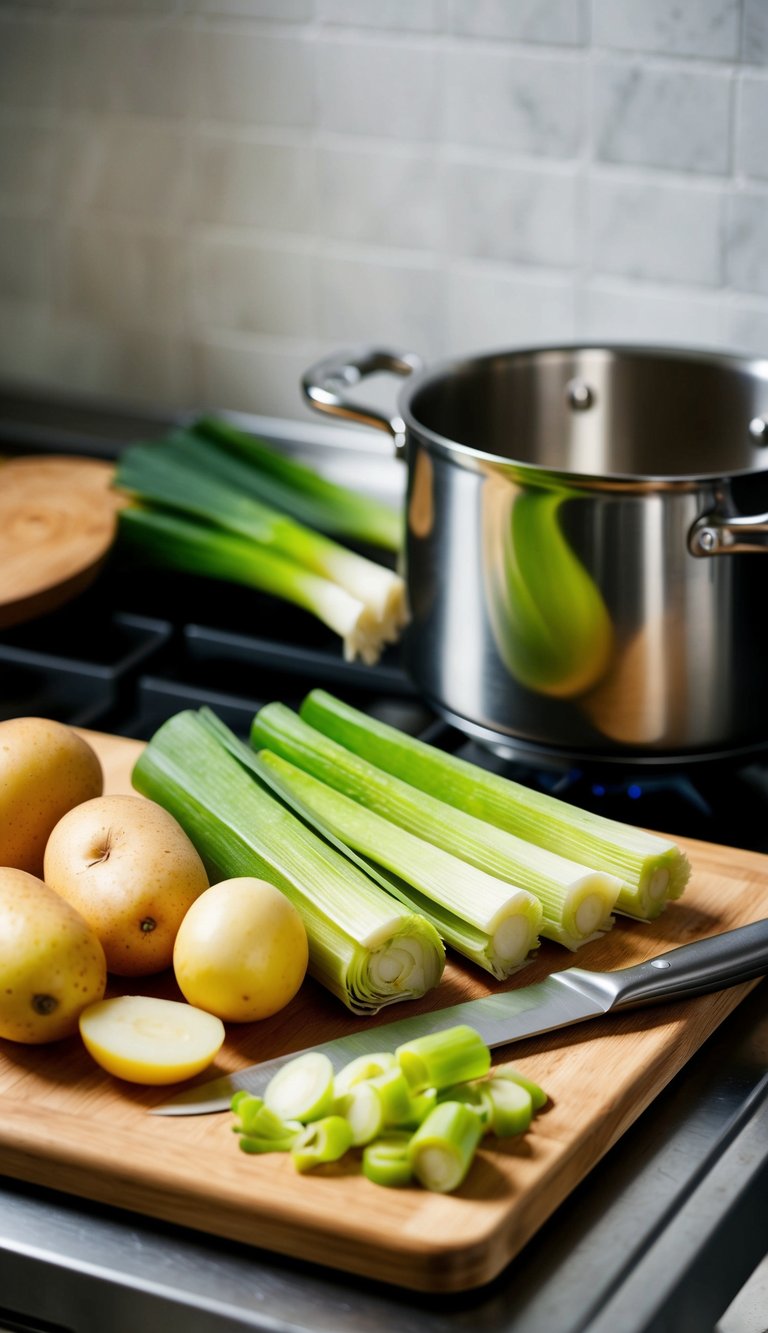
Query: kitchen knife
column 563, row 998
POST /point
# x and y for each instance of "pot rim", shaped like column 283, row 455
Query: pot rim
column 482, row 460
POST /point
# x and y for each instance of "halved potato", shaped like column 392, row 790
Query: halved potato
column 145, row 1040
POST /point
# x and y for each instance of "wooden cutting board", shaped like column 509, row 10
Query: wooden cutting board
column 57, row 525
column 67, row 1125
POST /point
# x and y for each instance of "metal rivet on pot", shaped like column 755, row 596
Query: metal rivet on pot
column 706, row 539
column 758, row 429
column 579, row 394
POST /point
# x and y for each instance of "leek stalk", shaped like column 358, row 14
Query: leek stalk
column 302, row 492
column 364, row 946
column 652, row 870
column 477, row 914
column 191, row 547
column 576, row 900
column 190, row 477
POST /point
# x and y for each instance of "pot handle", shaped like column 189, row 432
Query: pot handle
column 722, row 534
column 325, row 383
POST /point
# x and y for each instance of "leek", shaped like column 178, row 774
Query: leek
column 509, row 1074
column 473, row 911
column 189, row 477
column 652, row 870
column 364, row 946
column 576, row 900
column 454, row 1055
column 386, row 1161
column 363, row 1108
column 191, row 547
column 322, row 1141
column 302, row 492
column 443, row 1147
column 302, row 1089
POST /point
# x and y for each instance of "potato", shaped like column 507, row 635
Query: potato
column 129, row 868
column 51, row 962
column 45, row 770
column 241, row 951
column 144, row 1040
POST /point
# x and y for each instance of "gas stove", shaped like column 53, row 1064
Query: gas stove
column 672, row 1221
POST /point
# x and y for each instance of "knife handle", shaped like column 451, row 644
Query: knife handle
column 691, row 969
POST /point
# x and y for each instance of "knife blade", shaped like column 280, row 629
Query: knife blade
column 562, row 999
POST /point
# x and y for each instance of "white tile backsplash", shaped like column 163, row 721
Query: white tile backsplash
column 381, row 299
column 663, row 116
column 524, row 104
column 144, row 66
column 403, row 15
column 752, row 126
column 200, row 197
column 383, row 197
column 254, row 288
column 706, row 28
column 120, row 277
column 491, row 308
column 657, row 232
column 624, row 311
column 382, row 88
column 747, row 242
column 247, row 182
column 556, row 22
column 254, row 77
column 500, row 210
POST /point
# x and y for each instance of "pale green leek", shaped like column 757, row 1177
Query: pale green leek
column 322, row 1141
column 478, row 915
column 443, row 1147
column 298, row 489
column 364, row 946
column 189, row 477
column 452, row 1055
column 577, row 901
column 386, row 1161
column 653, row 870
column 184, row 544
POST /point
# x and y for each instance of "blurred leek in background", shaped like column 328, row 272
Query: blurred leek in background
column 243, row 516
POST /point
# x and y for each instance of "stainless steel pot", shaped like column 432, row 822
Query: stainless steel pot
column 580, row 565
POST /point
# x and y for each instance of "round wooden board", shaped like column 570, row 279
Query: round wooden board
column 58, row 520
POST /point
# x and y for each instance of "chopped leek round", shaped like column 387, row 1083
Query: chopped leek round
column 324, row 1140
column 443, row 1147
column 507, row 1071
column 511, row 1107
column 453, row 1055
column 387, row 1161
column 302, row 1089
column 363, row 1107
column 363, row 1067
